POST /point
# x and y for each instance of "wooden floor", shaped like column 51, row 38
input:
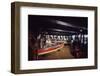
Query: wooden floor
column 63, row 53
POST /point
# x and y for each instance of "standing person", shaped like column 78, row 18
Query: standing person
column 32, row 47
column 76, row 48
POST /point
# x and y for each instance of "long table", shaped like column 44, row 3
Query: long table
column 50, row 49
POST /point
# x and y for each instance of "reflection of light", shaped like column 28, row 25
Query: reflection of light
column 62, row 23
column 67, row 24
column 48, row 41
column 39, row 36
column 64, row 38
column 81, row 30
column 85, row 36
column 85, row 39
column 51, row 36
column 79, row 35
column 59, row 30
column 73, row 37
column 58, row 37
